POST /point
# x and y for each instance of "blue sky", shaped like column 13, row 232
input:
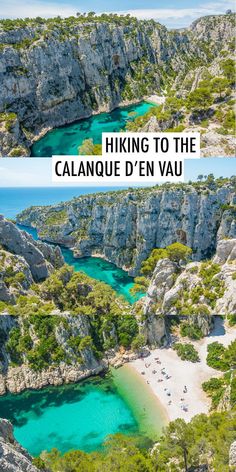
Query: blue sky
column 32, row 172
column 172, row 13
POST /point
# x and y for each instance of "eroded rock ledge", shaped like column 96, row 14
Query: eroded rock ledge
column 13, row 457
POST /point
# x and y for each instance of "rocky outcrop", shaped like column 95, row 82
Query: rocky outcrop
column 204, row 322
column 213, row 144
column 71, row 368
column 34, row 258
column 57, row 71
column 154, row 329
column 13, row 458
column 12, row 140
column 207, row 288
column 232, row 456
column 125, row 226
column 21, row 378
column 15, row 278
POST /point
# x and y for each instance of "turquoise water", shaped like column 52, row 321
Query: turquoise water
column 29, row 230
column 96, row 268
column 102, row 270
column 78, row 416
column 65, row 140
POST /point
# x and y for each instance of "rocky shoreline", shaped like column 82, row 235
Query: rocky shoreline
column 125, row 226
column 19, row 379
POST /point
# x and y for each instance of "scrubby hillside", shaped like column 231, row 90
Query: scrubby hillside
column 178, row 288
column 23, row 261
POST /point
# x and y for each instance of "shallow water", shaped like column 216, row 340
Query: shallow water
column 78, row 416
column 103, row 270
column 82, row 415
column 66, row 139
column 98, row 269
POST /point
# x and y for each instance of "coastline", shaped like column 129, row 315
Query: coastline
column 154, row 99
column 148, row 411
column 182, row 373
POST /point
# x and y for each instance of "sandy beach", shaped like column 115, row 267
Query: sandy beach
column 170, row 391
column 157, row 99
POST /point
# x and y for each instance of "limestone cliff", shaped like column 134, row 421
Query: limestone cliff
column 13, row 457
column 17, row 375
column 125, row 226
column 232, row 456
column 199, row 288
column 23, row 261
column 56, row 71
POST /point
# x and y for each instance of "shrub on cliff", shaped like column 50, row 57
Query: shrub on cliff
column 228, row 67
column 138, row 342
column 191, row 331
column 221, row 358
column 176, row 252
column 221, row 388
column 88, row 148
column 186, row 352
column 200, row 99
column 197, row 445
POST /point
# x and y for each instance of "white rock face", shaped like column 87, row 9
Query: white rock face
column 216, row 145
column 21, row 378
column 166, row 289
column 36, row 258
column 225, row 251
column 232, row 456
column 56, row 78
column 125, row 227
column 13, row 458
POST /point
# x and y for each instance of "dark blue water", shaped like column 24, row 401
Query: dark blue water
column 13, row 199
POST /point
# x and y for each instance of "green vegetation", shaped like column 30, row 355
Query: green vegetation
column 88, row 148
column 8, row 119
column 191, row 331
column 140, row 286
column 186, row 352
column 204, row 295
column 36, row 341
column 211, row 102
column 69, row 22
column 12, row 270
column 18, row 151
column 221, row 358
column 221, row 389
column 176, row 252
column 232, row 318
column 219, row 85
column 56, row 218
column 138, row 342
column 200, row 99
column 204, row 441
column 135, row 87
column 228, row 67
